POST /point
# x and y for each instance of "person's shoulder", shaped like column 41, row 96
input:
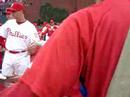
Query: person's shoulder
column 29, row 24
column 10, row 21
column 93, row 12
column 94, row 8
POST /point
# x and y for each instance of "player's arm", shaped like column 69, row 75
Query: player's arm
column 58, row 64
column 4, row 28
column 18, row 90
column 35, row 42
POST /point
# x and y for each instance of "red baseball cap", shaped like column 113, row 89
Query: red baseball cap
column 16, row 6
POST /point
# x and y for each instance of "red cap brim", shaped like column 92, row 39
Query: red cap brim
column 11, row 9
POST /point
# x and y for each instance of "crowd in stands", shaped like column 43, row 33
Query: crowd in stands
column 46, row 29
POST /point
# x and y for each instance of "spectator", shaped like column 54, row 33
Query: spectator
column 45, row 30
column 52, row 22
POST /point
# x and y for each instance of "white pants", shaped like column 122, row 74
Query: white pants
column 15, row 64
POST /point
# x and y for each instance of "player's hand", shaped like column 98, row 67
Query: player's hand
column 33, row 49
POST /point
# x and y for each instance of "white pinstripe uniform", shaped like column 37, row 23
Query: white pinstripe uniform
column 18, row 38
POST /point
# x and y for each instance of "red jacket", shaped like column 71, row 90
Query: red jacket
column 88, row 44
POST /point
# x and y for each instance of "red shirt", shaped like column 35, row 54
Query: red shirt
column 88, row 44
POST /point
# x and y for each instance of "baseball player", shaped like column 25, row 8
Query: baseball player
column 21, row 36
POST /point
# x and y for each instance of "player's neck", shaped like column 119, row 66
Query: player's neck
column 21, row 20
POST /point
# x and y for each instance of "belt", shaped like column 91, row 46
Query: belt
column 15, row 52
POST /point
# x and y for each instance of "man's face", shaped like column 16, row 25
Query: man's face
column 16, row 14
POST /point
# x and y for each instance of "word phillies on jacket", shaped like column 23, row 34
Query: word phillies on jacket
column 16, row 34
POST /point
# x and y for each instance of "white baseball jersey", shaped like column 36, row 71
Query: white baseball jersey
column 18, row 36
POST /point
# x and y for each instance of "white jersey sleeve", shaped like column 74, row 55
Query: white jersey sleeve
column 33, row 36
column 3, row 30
